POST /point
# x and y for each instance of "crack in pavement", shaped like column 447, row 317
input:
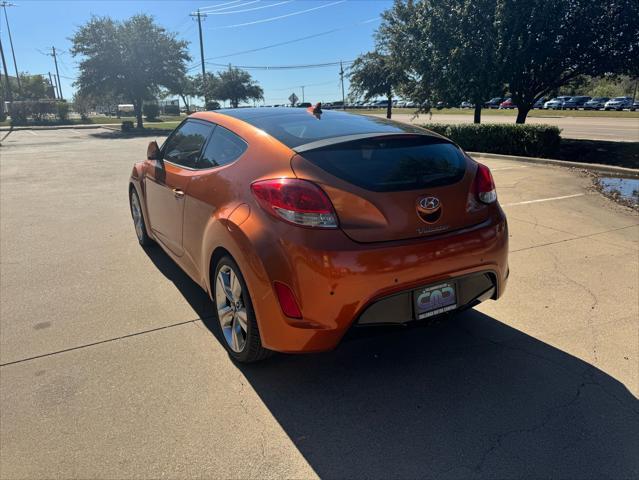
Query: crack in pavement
column 100, row 342
column 576, row 238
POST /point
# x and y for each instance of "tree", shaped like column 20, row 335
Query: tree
column 34, row 87
column 83, row 104
column 206, row 89
column 184, row 87
column 237, row 86
column 458, row 58
column 544, row 44
column 131, row 59
column 374, row 74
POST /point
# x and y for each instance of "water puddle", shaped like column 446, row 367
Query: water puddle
column 626, row 189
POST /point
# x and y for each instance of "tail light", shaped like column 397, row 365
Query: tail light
column 296, row 201
column 287, row 300
column 484, row 185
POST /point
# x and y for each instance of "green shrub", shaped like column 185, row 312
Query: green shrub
column 40, row 111
column 127, row 126
column 3, row 113
column 505, row 139
column 151, row 111
column 63, row 110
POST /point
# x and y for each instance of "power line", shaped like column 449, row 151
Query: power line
column 271, row 19
column 281, row 67
column 231, row 7
column 221, row 5
column 217, row 12
column 305, row 85
column 294, row 40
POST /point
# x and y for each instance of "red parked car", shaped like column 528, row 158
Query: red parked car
column 507, row 104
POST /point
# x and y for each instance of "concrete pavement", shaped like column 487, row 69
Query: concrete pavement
column 588, row 128
column 109, row 367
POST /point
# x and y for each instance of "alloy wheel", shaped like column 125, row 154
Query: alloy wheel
column 231, row 309
column 136, row 212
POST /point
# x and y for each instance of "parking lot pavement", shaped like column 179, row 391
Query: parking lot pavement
column 109, row 368
column 588, row 128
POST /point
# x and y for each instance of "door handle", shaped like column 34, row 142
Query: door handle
column 178, row 193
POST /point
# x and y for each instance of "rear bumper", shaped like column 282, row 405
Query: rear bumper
column 399, row 308
column 335, row 279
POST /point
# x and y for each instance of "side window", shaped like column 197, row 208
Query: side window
column 184, row 146
column 224, row 147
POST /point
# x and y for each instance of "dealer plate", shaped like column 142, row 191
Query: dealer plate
column 435, row 299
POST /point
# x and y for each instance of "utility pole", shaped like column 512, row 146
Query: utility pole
column 57, row 72
column 4, row 5
column 303, row 93
column 341, row 75
column 6, row 75
column 55, row 87
column 199, row 16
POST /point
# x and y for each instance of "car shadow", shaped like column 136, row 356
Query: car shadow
column 469, row 397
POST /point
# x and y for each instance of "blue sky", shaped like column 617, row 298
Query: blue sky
column 37, row 25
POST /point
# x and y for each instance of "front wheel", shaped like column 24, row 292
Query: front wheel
column 138, row 219
column 235, row 313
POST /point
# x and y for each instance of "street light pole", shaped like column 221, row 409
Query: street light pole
column 57, row 73
column 199, row 16
column 4, row 5
column 6, row 74
column 341, row 75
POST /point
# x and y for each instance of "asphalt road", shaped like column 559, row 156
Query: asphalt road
column 588, row 128
column 109, row 369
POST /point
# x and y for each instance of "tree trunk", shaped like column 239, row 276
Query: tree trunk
column 477, row 117
column 389, row 107
column 522, row 113
column 186, row 105
column 137, row 106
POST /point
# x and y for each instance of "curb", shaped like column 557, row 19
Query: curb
column 595, row 167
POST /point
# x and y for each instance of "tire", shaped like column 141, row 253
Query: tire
column 233, row 308
column 139, row 221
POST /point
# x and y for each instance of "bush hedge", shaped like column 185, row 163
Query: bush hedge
column 39, row 111
column 127, row 126
column 506, row 139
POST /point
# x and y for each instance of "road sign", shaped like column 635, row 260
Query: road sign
column 293, row 98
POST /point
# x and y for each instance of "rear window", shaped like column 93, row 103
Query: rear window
column 298, row 129
column 392, row 164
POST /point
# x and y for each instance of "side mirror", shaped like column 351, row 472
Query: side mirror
column 153, row 151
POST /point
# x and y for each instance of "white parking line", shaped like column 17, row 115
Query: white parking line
column 32, row 132
column 507, row 168
column 543, row 200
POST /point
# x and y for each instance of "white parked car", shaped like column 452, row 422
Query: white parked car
column 556, row 103
column 466, row 105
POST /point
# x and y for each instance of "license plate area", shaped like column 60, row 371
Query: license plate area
column 434, row 299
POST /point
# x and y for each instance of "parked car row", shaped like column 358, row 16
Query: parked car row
column 589, row 103
column 565, row 102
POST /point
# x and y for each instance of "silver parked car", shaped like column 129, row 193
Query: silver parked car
column 618, row 103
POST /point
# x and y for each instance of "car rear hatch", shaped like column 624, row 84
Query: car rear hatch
column 394, row 187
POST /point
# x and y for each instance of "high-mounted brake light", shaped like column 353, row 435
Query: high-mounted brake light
column 296, row 201
column 484, row 185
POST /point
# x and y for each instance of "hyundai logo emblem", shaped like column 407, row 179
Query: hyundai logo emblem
column 428, row 204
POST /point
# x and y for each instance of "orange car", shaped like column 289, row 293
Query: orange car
column 302, row 224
